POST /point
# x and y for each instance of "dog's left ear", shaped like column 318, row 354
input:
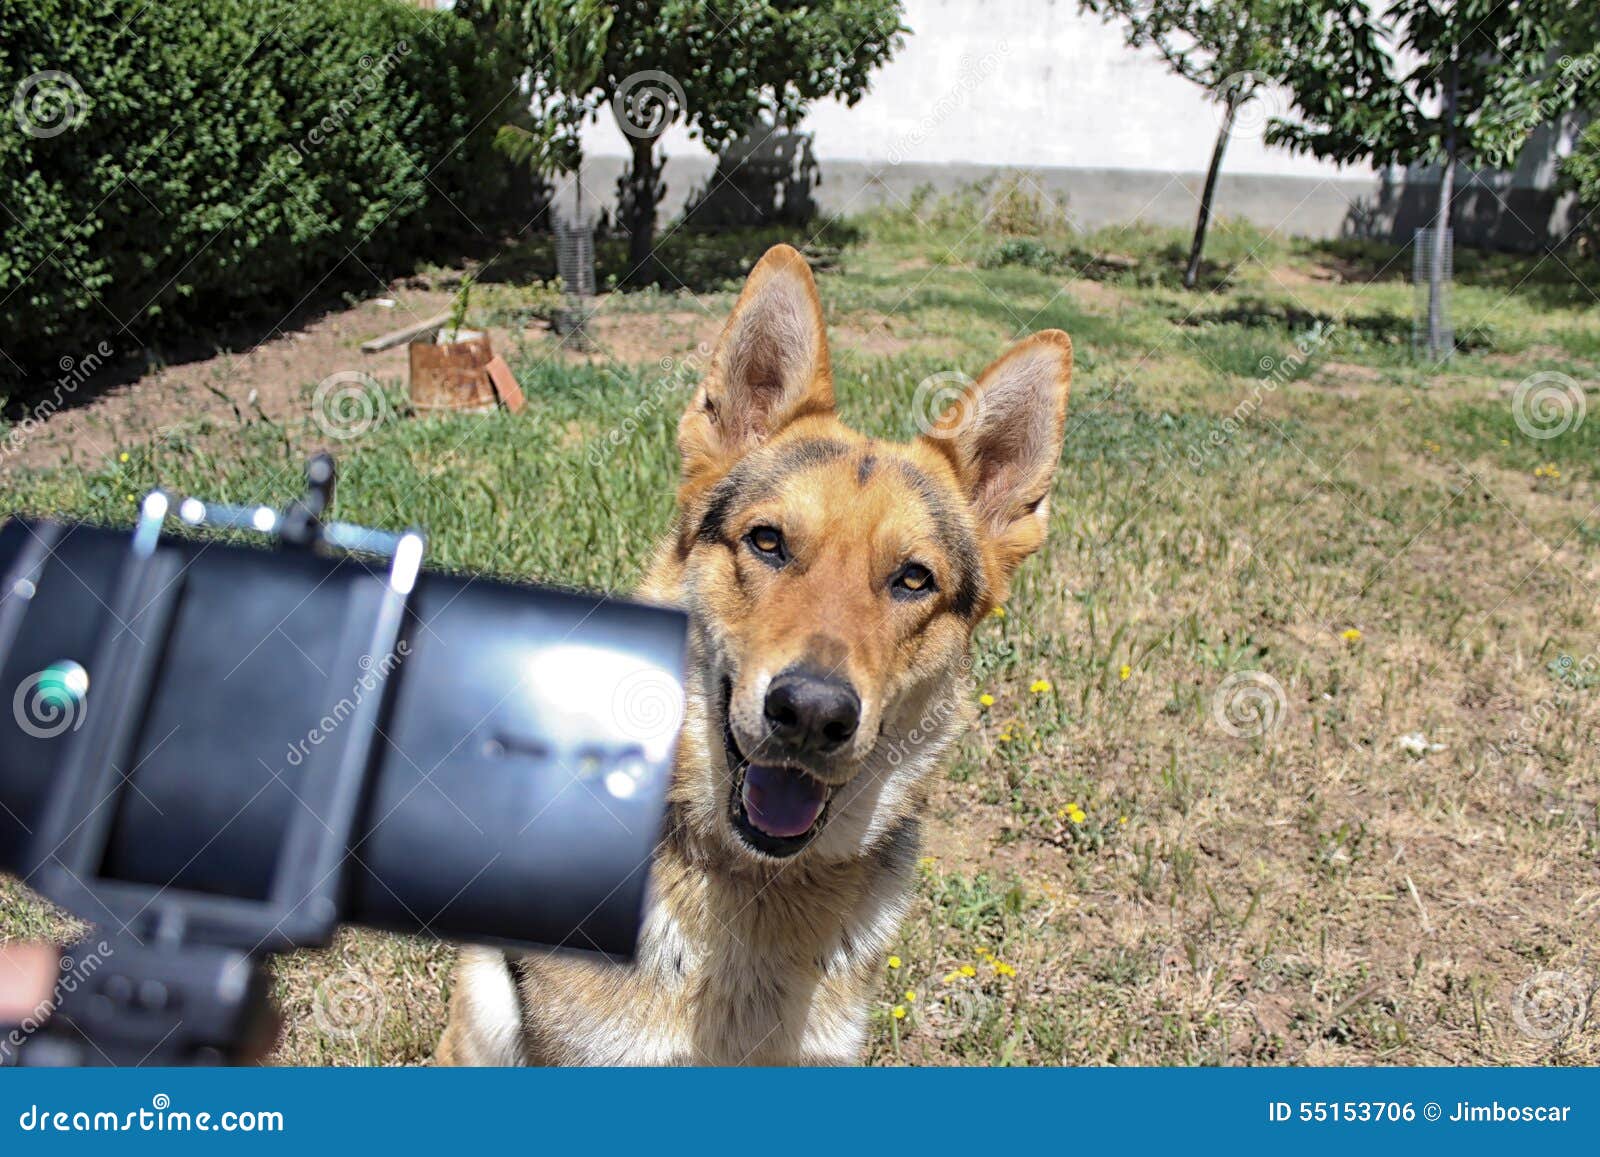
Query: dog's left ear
column 1003, row 436
column 770, row 368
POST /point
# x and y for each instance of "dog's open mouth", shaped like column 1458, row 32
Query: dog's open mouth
column 775, row 809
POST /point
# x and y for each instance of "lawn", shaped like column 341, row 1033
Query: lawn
column 1287, row 745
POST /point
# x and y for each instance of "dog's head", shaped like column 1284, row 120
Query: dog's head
column 834, row 581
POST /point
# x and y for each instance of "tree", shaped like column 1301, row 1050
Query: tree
column 1409, row 81
column 1231, row 48
column 716, row 65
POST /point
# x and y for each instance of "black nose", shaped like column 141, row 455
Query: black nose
column 811, row 712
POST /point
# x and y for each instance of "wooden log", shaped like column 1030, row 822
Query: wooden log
column 410, row 333
column 452, row 377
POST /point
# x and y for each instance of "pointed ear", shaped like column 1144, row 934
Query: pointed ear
column 1003, row 436
column 770, row 368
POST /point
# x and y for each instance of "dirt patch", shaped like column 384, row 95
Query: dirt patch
column 277, row 376
column 870, row 334
column 1097, row 296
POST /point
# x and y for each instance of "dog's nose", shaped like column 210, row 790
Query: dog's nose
column 811, row 712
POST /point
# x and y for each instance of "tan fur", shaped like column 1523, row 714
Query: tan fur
column 745, row 958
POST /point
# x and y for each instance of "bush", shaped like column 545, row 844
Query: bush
column 185, row 162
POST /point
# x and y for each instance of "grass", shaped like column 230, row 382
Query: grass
column 1125, row 866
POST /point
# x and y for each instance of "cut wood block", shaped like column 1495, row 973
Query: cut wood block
column 452, row 377
column 505, row 385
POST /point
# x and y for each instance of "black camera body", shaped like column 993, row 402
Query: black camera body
column 217, row 747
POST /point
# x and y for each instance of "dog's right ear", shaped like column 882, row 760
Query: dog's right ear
column 770, row 368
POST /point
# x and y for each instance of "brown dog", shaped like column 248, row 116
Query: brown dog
column 833, row 583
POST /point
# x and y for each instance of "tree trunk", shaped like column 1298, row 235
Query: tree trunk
column 1191, row 274
column 1441, row 225
column 642, row 192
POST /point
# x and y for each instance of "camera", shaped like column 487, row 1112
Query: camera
column 216, row 752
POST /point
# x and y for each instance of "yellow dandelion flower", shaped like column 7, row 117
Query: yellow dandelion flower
column 911, row 997
column 1001, row 968
column 1077, row 816
column 983, row 950
column 998, row 612
column 929, row 861
column 1122, row 820
column 894, row 962
column 131, row 498
column 122, row 457
column 1041, row 687
column 1351, row 634
column 1126, row 673
column 899, row 1012
column 986, row 699
column 967, row 970
column 1005, row 737
column 950, row 976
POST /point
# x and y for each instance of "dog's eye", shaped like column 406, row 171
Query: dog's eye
column 768, row 542
column 914, row 578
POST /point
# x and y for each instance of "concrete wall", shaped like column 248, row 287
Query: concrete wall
column 1036, row 85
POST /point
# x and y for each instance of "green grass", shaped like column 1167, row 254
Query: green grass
column 1376, row 535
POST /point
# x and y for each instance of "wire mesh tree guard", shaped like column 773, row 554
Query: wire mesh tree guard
column 1432, row 275
column 574, row 234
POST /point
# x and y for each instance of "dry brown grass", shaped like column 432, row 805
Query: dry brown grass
column 1377, row 539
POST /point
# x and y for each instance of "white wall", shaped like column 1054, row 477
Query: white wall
column 1031, row 83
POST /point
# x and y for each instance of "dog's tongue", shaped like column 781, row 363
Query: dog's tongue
column 782, row 802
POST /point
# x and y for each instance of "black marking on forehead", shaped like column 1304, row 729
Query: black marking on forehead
column 869, row 463
column 759, row 475
column 957, row 540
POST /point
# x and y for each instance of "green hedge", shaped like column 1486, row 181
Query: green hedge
column 199, row 159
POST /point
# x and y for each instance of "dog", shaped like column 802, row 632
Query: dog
column 833, row 583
